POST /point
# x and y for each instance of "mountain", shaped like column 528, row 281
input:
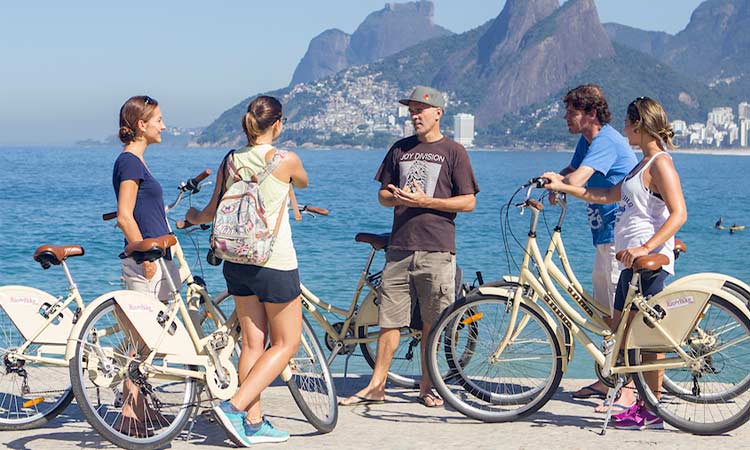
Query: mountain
column 383, row 33
column 714, row 47
column 652, row 43
column 511, row 73
column 326, row 55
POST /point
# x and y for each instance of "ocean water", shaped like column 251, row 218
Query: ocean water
column 57, row 196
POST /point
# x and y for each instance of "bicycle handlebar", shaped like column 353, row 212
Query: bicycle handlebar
column 193, row 184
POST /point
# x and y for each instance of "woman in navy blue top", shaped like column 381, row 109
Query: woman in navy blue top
column 140, row 215
column 140, row 202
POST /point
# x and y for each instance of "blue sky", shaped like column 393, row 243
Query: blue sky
column 67, row 66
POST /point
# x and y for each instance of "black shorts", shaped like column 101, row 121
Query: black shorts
column 270, row 285
column 652, row 282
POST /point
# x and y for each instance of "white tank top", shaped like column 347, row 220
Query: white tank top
column 274, row 191
column 639, row 214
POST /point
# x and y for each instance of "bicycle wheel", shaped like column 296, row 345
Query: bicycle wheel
column 681, row 390
column 487, row 388
column 715, row 397
column 406, row 367
column 107, row 382
column 31, row 393
column 311, row 383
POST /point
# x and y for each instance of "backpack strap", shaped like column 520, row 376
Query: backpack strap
column 271, row 166
column 227, row 164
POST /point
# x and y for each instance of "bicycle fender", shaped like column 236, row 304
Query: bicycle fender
column 715, row 280
column 24, row 306
column 142, row 312
column 509, row 292
column 682, row 305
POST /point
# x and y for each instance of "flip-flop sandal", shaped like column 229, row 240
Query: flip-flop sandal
column 357, row 400
column 434, row 399
column 617, row 408
column 589, row 392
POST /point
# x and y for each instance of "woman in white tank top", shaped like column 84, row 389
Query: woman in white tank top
column 651, row 211
column 267, row 296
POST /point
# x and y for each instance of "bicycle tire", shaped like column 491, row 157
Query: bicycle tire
column 117, row 343
column 317, row 402
column 474, row 390
column 721, row 410
column 21, row 410
column 311, row 383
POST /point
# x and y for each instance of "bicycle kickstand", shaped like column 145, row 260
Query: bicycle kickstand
column 610, row 401
column 194, row 417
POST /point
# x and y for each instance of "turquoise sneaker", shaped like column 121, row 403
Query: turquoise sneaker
column 265, row 433
column 233, row 422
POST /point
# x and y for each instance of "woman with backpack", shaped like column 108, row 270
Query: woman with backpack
column 267, row 293
column 140, row 215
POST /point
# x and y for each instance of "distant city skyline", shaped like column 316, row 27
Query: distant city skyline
column 68, row 66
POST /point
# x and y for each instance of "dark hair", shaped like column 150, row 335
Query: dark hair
column 140, row 107
column 589, row 97
column 647, row 115
column 261, row 114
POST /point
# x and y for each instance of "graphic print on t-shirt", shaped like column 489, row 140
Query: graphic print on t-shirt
column 420, row 173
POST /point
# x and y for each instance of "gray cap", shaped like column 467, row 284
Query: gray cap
column 426, row 95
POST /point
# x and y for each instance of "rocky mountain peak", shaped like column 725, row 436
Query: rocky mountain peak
column 504, row 36
column 392, row 29
column 382, row 33
column 326, row 55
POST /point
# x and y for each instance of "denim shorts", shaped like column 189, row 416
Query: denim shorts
column 652, row 282
column 270, row 285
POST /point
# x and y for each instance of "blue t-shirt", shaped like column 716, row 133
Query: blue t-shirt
column 611, row 157
column 149, row 204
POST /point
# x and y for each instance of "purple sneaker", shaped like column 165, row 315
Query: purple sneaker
column 639, row 419
column 629, row 413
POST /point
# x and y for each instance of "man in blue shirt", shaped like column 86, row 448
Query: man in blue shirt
column 602, row 159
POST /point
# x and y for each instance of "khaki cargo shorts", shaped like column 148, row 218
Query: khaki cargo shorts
column 427, row 278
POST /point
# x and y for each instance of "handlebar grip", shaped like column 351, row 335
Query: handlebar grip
column 109, row 216
column 316, row 210
column 202, row 176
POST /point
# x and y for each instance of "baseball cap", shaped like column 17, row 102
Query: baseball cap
column 426, row 95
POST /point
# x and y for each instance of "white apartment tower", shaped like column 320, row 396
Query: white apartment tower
column 721, row 116
column 463, row 129
column 743, row 110
column 744, row 123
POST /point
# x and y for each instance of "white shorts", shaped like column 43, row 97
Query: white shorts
column 132, row 275
column 605, row 275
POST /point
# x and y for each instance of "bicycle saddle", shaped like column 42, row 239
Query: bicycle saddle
column 150, row 249
column 378, row 241
column 47, row 255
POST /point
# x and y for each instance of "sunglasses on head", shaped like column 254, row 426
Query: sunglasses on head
column 148, row 100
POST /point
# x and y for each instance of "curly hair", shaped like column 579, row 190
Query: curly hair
column 587, row 98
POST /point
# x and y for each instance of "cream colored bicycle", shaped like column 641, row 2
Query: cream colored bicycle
column 522, row 351
column 131, row 351
column 34, row 329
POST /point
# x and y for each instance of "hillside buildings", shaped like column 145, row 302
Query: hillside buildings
column 720, row 130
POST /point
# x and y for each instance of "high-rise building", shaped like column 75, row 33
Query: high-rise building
column 744, row 123
column 408, row 128
column 743, row 110
column 463, row 129
column 721, row 116
column 679, row 126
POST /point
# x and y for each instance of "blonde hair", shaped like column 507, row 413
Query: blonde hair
column 261, row 114
column 140, row 107
column 648, row 116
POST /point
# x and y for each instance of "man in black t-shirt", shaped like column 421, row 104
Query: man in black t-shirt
column 427, row 179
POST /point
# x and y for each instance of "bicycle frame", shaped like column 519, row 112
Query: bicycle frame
column 366, row 314
column 23, row 304
column 529, row 287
